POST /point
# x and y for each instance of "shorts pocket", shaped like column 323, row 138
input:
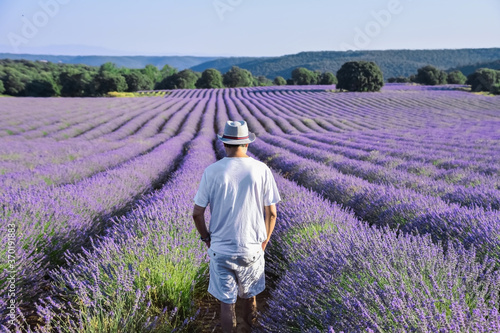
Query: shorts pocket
column 249, row 259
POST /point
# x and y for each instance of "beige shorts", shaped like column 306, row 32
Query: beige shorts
column 232, row 276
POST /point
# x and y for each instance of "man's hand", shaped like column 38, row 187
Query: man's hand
column 270, row 220
column 199, row 221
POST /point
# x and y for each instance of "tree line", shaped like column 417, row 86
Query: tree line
column 482, row 79
column 46, row 79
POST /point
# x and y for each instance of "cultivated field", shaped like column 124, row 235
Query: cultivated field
column 390, row 219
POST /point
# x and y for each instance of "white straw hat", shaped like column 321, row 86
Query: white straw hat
column 236, row 133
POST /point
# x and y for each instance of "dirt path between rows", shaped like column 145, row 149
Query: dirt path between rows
column 210, row 313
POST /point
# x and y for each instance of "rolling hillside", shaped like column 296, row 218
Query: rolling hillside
column 179, row 62
column 392, row 62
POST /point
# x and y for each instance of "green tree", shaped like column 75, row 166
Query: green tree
column 430, row 75
column 262, row 81
column 75, row 82
column 495, row 89
column 279, row 81
column 360, row 76
column 483, row 79
column 105, row 82
column 165, row 72
column 399, row 79
column 302, row 76
column 2, row 88
column 210, row 78
column 328, row 78
column 237, row 77
column 185, row 79
column 109, row 67
column 136, row 81
column 153, row 73
column 456, row 77
column 15, row 82
column 42, row 86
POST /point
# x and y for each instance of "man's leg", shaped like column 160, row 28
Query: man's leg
column 228, row 317
column 250, row 310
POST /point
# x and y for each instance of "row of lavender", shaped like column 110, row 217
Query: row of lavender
column 224, row 100
column 420, row 118
column 332, row 272
column 149, row 261
column 106, row 134
column 335, row 272
column 152, row 254
column 88, row 161
column 478, row 171
column 384, row 204
column 437, row 161
column 294, row 109
column 378, row 107
column 334, row 112
column 143, row 274
column 459, row 173
column 378, row 203
column 50, row 220
column 480, row 195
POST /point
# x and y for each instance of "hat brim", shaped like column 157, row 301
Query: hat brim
column 251, row 138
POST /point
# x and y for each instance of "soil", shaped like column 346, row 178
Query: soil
column 210, row 313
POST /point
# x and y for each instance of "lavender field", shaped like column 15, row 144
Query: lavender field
column 390, row 219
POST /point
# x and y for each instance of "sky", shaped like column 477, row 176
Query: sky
column 243, row 27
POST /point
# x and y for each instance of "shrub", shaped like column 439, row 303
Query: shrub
column 237, row 77
column 360, row 76
column 279, row 81
column 302, row 76
column 495, row 89
column 210, row 78
column 328, row 78
column 483, row 79
column 430, row 75
column 399, row 79
column 262, row 81
column 456, row 77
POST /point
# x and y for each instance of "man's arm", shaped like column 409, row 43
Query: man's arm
column 270, row 220
column 199, row 221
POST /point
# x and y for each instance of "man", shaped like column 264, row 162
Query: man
column 242, row 195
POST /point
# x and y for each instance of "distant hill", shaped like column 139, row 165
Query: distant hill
column 179, row 62
column 225, row 64
column 469, row 69
column 392, row 62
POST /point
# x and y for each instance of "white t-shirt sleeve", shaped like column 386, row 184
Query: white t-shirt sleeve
column 202, row 196
column 271, row 194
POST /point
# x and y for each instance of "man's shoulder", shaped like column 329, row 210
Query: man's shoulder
column 260, row 164
column 223, row 163
column 216, row 165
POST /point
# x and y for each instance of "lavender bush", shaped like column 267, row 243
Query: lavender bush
column 101, row 247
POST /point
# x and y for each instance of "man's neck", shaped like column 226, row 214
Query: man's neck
column 237, row 153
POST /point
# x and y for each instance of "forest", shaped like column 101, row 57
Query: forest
column 47, row 79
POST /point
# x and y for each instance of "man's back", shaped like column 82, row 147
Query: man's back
column 237, row 190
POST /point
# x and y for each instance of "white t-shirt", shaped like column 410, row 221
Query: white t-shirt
column 237, row 189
